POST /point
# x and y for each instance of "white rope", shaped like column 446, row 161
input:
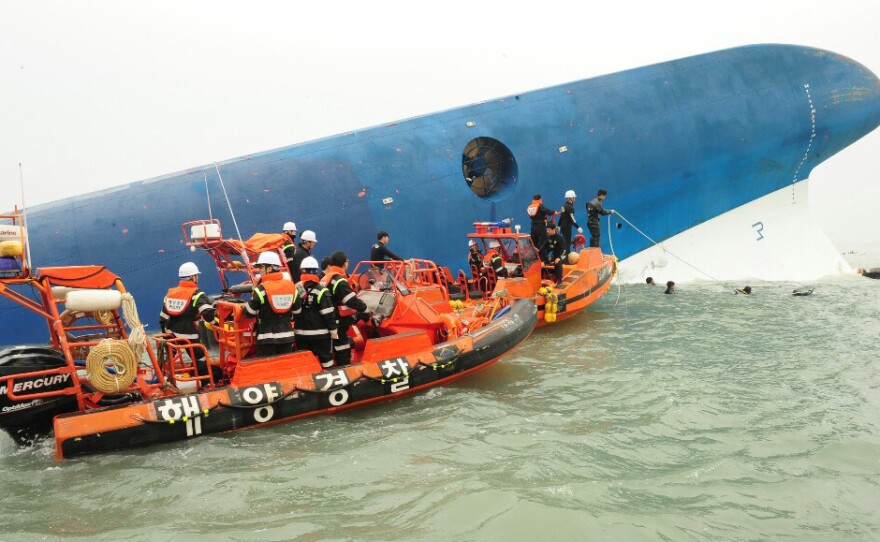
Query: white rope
column 656, row 243
column 229, row 204
column 616, row 261
column 137, row 338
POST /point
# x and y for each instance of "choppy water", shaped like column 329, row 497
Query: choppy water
column 699, row 416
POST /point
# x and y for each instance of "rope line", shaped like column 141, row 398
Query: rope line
column 665, row 250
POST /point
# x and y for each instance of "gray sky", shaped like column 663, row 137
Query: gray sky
column 99, row 93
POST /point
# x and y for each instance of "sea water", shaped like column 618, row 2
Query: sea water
column 702, row 415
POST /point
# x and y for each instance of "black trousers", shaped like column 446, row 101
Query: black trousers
column 321, row 347
column 342, row 345
column 557, row 270
column 594, row 234
column 566, row 234
column 539, row 235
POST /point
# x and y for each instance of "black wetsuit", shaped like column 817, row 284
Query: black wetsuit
column 594, row 210
column 554, row 248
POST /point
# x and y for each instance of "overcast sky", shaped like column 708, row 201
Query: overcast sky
column 99, row 93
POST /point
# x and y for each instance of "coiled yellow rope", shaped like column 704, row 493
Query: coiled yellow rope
column 111, row 354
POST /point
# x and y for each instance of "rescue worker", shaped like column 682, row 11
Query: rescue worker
column 316, row 325
column 325, row 264
column 347, row 305
column 539, row 213
column 379, row 251
column 553, row 251
column 566, row 221
column 182, row 307
column 289, row 247
column 274, row 302
column 307, row 242
column 475, row 258
column 494, row 260
column 594, row 210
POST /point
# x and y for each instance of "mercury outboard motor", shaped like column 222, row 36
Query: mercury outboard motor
column 30, row 419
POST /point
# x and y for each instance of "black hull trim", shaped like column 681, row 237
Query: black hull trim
column 236, row 413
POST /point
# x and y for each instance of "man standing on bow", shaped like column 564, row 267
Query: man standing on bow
column 594, row 211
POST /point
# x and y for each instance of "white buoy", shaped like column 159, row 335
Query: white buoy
column 93, row 300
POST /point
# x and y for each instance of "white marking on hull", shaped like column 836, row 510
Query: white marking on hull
column 771, row 238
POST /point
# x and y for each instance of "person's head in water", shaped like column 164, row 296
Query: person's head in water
column 650, row 280
column 670, row 287
column 746, row 290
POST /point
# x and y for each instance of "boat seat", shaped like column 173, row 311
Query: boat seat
column 459, row 296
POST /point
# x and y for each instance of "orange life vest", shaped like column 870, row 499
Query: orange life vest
column 533, row 208
column 331, row 272
column 281, row 293
column 490, row 255
column 179, row 298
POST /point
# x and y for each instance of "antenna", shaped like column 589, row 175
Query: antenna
column 234, row 222
column 208, row 194
column 23, row 215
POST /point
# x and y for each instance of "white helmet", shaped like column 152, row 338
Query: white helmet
column 289, row 226
column 269, row 258
column 308, row 235
column 570, row 194
column 472, row 243
column 494, row 244
column 309, row 263
column 187, row 270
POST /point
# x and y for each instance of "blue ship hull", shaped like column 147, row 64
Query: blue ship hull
column 676, row 144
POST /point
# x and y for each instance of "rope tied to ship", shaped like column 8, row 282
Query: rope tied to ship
column 645, row 235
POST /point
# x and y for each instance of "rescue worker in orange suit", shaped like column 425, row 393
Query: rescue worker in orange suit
column 566, row 220
column 348, row 306
column 539, row 213
column 594, row 210
column 288, row 232
column 494, row 260
column 274, row 303
column 316, row 327
column 553, row 252
column 182, row 307
column 307, row 242
column 475, row 258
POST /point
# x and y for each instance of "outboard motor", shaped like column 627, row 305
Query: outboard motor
column 30, row 419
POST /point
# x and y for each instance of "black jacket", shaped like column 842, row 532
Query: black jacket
column 318, row 316
column 184, row 325
column 289, row 248
column 343, row 296
column 594, row 209
column 553, row 248
column 379, row 253
column 299, row 255
column 540, row 218
column 567, row 218
column 272, row 327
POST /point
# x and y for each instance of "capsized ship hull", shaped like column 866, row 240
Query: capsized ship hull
column 676, row 145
